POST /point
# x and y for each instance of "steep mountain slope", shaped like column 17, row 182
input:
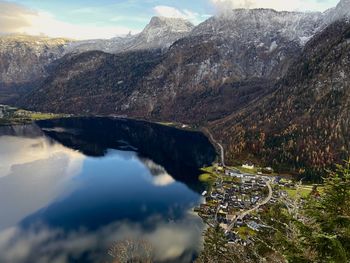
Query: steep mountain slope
column 24, row 60
column 224, row 63
column 160, row 33
column 272, row 25
column 341, row 11
column 220, row 67
column 92, row 82
column 306, row 120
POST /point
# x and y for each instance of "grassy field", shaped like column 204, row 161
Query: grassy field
column 207, row 178
column 255, row 170
column 209, row 175
column 303, row 192
column 244, row 232
column 13, row 116
column 209, row 169
column 245, row 170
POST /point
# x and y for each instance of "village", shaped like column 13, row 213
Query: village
column 235, row 199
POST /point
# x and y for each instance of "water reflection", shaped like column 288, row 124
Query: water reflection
column 33, row 173
column 179, row 152
column 160, row 175
column 68, row 192
column 171, row 241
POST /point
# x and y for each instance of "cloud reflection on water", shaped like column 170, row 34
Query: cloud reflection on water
column 37, row 175
column 170, row 240
column 33, row 172
column 160, row 175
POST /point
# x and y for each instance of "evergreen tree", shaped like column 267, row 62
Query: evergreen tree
column 317, row 231
column 327, row 230
column 322, row 231
column 215, row 246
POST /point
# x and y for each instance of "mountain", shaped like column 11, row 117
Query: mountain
column 269, row 83
column 305, row 121
column 260, row 26
column 160, row 33
column 341, row 11
column 222, row 65
column 217, row 68
column 92, row 82
column 24, row 60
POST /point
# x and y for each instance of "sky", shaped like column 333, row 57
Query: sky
column 89, row 19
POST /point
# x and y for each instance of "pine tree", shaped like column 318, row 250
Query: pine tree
column 328, row 228
column 215, row 246
column 319, row 232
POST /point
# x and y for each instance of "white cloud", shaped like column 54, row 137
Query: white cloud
column 11, row 16
column 47, row 24
column 293, row 5
column 16, row 18
column 172, row 12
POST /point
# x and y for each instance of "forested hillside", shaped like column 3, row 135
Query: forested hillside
column 305, row 121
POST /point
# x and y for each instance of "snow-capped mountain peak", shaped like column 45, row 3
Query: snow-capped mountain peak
column 161, row 32
column 165, row 29
column 171, row 24
column 254, row 25
column 341, row 11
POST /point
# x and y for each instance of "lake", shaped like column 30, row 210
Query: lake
column 70, row 188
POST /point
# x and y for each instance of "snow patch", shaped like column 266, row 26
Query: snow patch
column 273, row 46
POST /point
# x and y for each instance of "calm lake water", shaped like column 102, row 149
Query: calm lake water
column 70, row 188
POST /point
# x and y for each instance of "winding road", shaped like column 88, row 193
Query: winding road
column 222, row 151
column 245, row 213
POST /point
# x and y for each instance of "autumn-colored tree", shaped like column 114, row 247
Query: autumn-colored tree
column 131, row 251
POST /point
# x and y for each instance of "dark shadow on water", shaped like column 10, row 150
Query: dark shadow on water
column 180, row 152
column 123, row 184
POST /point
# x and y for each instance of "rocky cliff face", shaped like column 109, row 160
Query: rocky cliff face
column 160, row 33
column 261, row 27
column 305, row 122
column 221, row 66
column 224, row 62
column 24, row 60
column 92, row 83
column 340, row 12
